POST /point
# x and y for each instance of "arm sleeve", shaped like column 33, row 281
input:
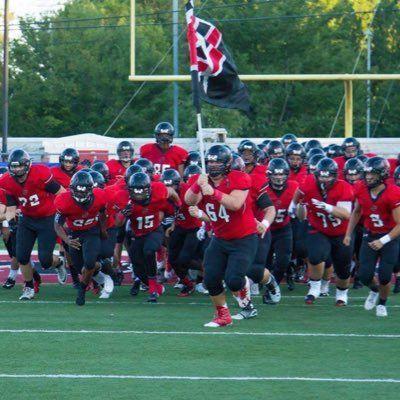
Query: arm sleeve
column 264, row 201
column 52, row 186
column 11, row 201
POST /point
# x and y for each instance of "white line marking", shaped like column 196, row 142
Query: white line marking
column 200, row 378
column 202, row 333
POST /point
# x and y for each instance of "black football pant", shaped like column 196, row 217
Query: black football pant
column 299, row 229
column 29, row 229
column 228, row 260
column 323, row 248
column 142, row 252
column 108, row 245
column 388, row 257
column 11, row 243
column 256, row 270
column 182, row 249
column 89, row 252
column 281, row 251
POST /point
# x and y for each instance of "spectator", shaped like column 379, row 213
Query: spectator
column 45, row 158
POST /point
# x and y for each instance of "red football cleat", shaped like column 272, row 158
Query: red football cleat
column 222, row 318
column 36, row 286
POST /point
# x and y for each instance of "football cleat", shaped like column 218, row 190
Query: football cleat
column 36, row 286
column 396, row 288
column 381, row 311
column 27, row 293
column 200, row 288
column 186, row 291
column 222, row 318
column 290, row 282
column 244, row 295
column 104, row 294
column 153, row 297
column 9, row 283
column 108, row 285
column 309, row 299
column 246, row 313
column 341, row 297
column 254, row 289
column 324, row 289
column 371, row 300
column 80, row 298
column 135, row 289
column 274, row 291
column 143, row 287
column 118, row 277
column 62, row 273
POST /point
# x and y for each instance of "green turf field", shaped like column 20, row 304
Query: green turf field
column 133, row 347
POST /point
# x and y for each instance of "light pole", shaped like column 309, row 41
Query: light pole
column 5, row 83
column 368, row 34
column 175, row 57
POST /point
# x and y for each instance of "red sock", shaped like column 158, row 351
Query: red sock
column 186, row 281
column 160, row 289
column 152, row 285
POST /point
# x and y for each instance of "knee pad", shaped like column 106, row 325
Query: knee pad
column 46, row 261
column 256, row 273
column 235, row 283
column 214, row 288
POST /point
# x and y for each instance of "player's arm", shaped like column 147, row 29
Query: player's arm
column 194, row 194
column 181, row 168
column 59, row 221
column 354, row 220
column 195, row 212
column 3, row 209
column 103, row 223
column 393, row 234
column 265, row 204
column 52, row 186
column 174, row 196
column 341, row 210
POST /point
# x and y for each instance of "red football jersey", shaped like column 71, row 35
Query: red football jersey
column 281, row 202
column 393, row 162
column 117, row 170
column 229, row 224
column 377, row 213
column 112, row 209
column 31, row 196
column 300, row 176
column 3, row 197
column 259, row 170
column 146, row 219
column 172, row 158
column 258, row 182
column 320, row 220
column 183, row 218
column 77, row 217
column 62, row 177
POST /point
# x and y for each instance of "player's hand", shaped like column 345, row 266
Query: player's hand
column 194, row 211
column 74, row 243
column 375, row 245
column 104, row 235
column 202, row 180
column 347, row 240
column 201, row 233
column 207, row 190
column 322, row 205
column 292, row 209
column 169, row 231
column 127, row 211
column 261, row 229
column 5, row 231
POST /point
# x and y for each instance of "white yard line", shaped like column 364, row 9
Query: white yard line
column 199, row 333
column 199, row 378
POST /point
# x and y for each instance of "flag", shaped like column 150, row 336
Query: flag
column 218, row 79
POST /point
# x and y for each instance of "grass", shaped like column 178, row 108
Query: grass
column 193, row 355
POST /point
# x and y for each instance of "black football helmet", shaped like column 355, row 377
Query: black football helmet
column 132, row 170
column 326, row 173
column 171, row 178
column 193, row 158
column 218, row 160
column 139, row 187
column 396, row 176
column 288, row 139
column 191, row 170
column 295, row 156
column 353, row 170
column 102, row 167
column 363, row 158
column 98, row 179
column 262, row 157
column 278, row 172
column 248, row 151
column 376, row 171
column 312, row 144
column 334, row 150
column 69, row 160
column 237, row 163
column 351, row 147
column 313, row 161
column 81, row 187
column 125, row 151
column 266, row 142
column 3, row 170
column 275, row 149
column 147, row 166
column 164, row 133
column 314, row 151
column 19, row 163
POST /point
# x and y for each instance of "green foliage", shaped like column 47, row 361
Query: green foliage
column 69, row 79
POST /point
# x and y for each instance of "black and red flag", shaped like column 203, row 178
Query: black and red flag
column 214, row 74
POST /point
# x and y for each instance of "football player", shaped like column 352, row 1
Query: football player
column 351, row 149
column 224, row 196
column 69, row 164
column 275, row 149
column 249, row 151
column 328, row 202
column 288, row 139
column 32, row 188
column 295, row 156
column 117, row 168
column 396, row 288
column 163, row 154
column 378, row 202
column 83, row 210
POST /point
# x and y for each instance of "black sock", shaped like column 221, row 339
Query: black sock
column 29, row 284
column 36, row 276
column 374, row 288
column 382, row 302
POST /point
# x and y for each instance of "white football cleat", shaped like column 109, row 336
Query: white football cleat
column 254, row 289
column 381, row 311
column 341, row 297
column 62, row 273
column 371, row 300
column 324, row 288
column 274, row 291
column 201, row 289
column 108, row 284
column 27, row 293
column 104, row 294
column 244, row 295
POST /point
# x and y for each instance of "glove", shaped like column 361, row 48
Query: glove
column 322, row 205
column 201, row 233
column 127, row 211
